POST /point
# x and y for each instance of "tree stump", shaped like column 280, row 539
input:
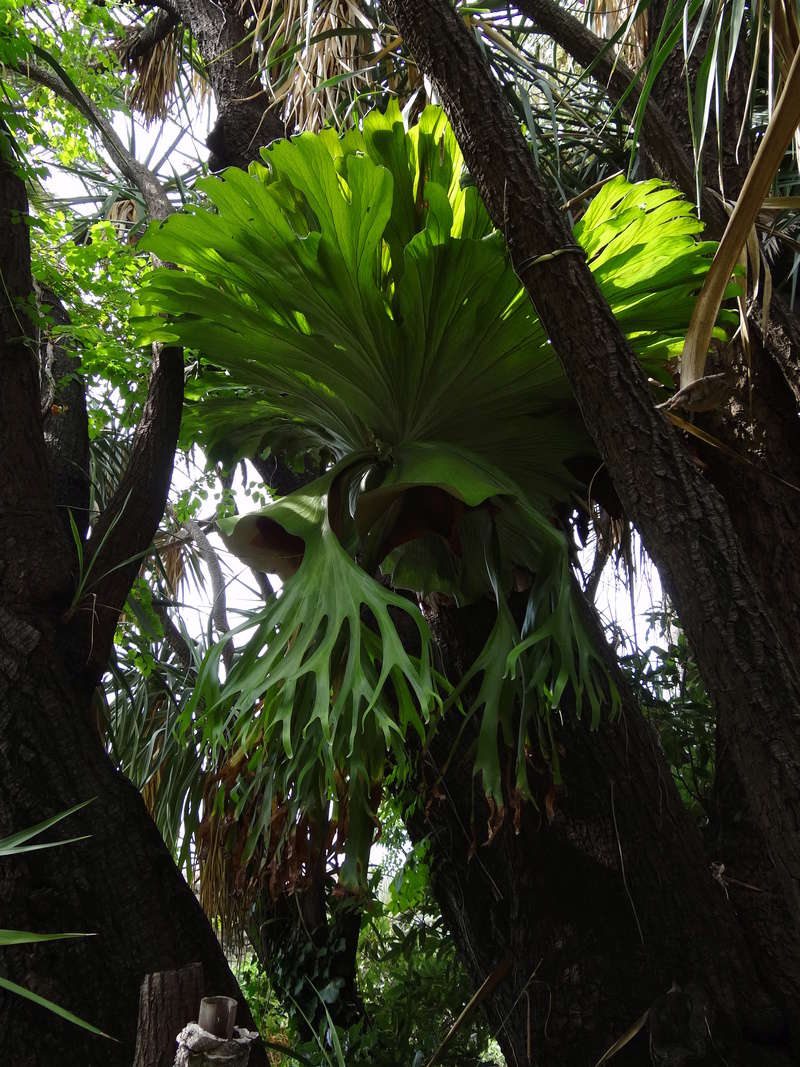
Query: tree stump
column 168, row 1000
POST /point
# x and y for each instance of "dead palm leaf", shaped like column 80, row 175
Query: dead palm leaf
column 157, row 52
column 317, row 56
column 174, row 564
column 780, row 131
column 150, row 51
column 609, row 16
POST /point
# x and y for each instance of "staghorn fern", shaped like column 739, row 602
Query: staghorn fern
column 352, row 297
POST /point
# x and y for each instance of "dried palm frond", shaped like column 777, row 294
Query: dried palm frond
column 317, row 56
column 609, row 15
column 230, row 874
column 152, row 51
column 173, row 558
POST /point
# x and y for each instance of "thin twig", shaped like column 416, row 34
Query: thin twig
column 622, row 866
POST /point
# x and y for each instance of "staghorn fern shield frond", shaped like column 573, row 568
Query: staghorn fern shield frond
column 351, row 296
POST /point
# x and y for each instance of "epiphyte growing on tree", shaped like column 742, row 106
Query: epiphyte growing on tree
column 352, row 297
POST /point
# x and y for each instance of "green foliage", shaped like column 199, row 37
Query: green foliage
column 96, row 281
column 15, row 845
column 674, row 698
column 415, row 989
column 355, row 301
column 146, row 691
column 271, row 1020
column 356, row 298
column 78, row 34
column 411, row 983
column 305, row 649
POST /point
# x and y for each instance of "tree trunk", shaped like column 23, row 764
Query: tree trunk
column 303, row 949
column 120, row 885
column 168, row 1000
column 761, row 426
column 65, row 421
column 751, row 676
column 725, row 160
column 601, row 895
column 245, row 120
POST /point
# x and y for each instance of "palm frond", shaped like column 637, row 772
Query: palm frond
column 159, row 53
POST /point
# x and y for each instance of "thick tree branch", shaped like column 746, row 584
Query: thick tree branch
column 606, row 837
column 125, row 530
column 64, row 418
column 142, row 39
column 685, row 525
column 244, row 121
column 761, row 513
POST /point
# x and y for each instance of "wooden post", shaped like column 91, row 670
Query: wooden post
column 168, row 1000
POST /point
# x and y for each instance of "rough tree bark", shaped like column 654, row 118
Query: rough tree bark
column 601, row 894
column 761, row 426
column 685, row 524
column 168, row 1000
column 244, row 120
column 64, row 417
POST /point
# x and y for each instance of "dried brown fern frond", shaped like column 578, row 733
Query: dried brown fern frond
column 231, row 873
column 226, row 883
column 173, row 558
